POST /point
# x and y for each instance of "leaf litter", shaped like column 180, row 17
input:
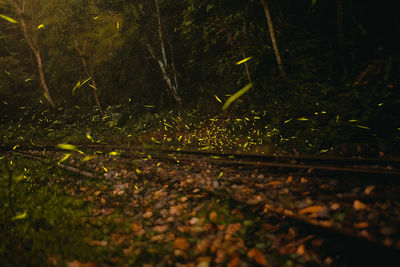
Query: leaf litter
column 168, row 214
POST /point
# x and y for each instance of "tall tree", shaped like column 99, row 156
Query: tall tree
column 272, row 36
column 28, row 29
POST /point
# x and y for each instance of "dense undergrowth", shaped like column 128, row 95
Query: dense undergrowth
column 248, row 131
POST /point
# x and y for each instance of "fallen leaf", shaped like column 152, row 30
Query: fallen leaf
column 160, row 228
column 220, row 255
column 181, row 243
column 80, row 264
column 300, row 250
column 237, row 213
column 335, row 206
column 273, row 183
column 213, row 216
column 234, row 261
column 136, row 227
column 117, row 239
column 358, row 205
column 289, row 179
column 303, row 180
column 194, row 220
column 203, row 246
column 101, row 243
column 254, row 200
column 157, row 238
column 147, row 214
column 369, row 189
column 203, row 261
column 175, row 210
column 257, row 256
column 232, row 228
column 269, row 227
column 311, row 209
column 361, row 225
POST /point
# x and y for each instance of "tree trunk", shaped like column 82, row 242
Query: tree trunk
column 173, row 85
column 36, row 51
column 272, row 36
column 88, row 73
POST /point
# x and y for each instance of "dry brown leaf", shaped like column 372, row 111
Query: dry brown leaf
column 159, row 194
column 237, row 213
column 194, row 220
column 216, row 244
column 269, row 227
column 136, row 227
column 301, row 250
column 220, row 255
column 303, row 180
column 203, row 246
column 267, row 207
column 289, row 179
column 101, row 243
column 147, row 214
column 160, row 228
column 273, row 183
column 175, row 210
column 369, row 189
column 257, row 256
column 361, row 225
column 157, row 238
column 83, row 189
column 234, row 261
column 335, row 206
column 358, row 205
column 247, row 190
column 232, row 228
column 254, row 200
column 117, row 239
column 213, row 216
column 181, row 243
column 203, row 261
column 311, row 209
column 207, row 227
column 81, row 264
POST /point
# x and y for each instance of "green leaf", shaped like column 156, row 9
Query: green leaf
column 237, row 95
column 8, row 19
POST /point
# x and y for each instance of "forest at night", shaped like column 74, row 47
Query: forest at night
column 199, row 133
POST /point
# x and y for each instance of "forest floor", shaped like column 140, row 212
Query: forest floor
column 144, row 211
column 102, row 206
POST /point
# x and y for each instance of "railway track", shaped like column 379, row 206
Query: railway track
column 260, row 175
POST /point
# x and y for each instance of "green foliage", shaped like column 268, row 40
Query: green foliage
column 37, row 212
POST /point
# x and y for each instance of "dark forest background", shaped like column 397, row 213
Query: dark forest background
column 338, row 81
